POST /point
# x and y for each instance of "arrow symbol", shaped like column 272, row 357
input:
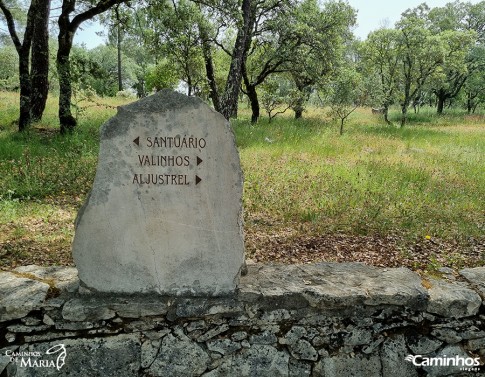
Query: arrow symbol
column 137, row 141
column 199, row 160
column 197, row 180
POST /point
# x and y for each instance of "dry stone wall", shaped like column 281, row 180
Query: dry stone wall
column 297, row 320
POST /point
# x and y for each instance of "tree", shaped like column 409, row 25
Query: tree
column 326, row 33
column 460, row 25
column 67, row 29
column 161, row 76
column 344, row 94
column 381, row 59
column 452, row 74
column 276, row 95
column 179, row 40
column 40, row 59
column 474, row 87
column 33, row 80
column 421, row 54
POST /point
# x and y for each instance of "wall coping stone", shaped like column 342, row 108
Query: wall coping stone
column 319, row 286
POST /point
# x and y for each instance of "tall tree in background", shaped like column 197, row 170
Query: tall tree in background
column 421, row 53
column 33, row 78
column 325, row 34
column 67, row 29
column 381, row 57
column 40, row 59
column 230, row 96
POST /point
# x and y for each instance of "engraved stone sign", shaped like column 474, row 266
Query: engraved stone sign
column 164, row 214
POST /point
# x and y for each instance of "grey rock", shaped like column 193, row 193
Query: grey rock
column 178, row 357
column 472, row 332
column 181, row 235
column 443, row 370
column 453, row 300
column 447, row 335
column 358, row 337
column 275, row 316
column 50, row 336
column 239, row 335
column 86, row 309
column 213, row 332
column 31, row 321
column 476, row 277
column 75, row 326
column 257, row 361
column 303, row 350
column 393, row 354
column 422, row 345
column 101, row 357
column 265, row 337
column 149, row 351
column 60, row 277
column 26, row 329
column 358, row 366
column 196, row 325
column 137, row 307
column 334, row 285
column 4, row 361
column 293, row 335
column 53, row 303
column 156, row 335
column 476, row 344
column 48, row 320
column 373, row 346
column 19, row 296
column 223, row 346
column 144, row 324
column 298, row 368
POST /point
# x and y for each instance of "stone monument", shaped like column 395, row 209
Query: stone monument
column 165, row 211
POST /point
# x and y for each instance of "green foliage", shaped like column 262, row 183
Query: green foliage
column 277, row 95
column 97, row 69
column 161, row 76
column 9, row 77
column 345, row 94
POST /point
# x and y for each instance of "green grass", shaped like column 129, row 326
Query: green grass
column 426, row 179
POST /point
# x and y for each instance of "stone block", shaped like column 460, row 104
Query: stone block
column 165, row 211
column 19, row 296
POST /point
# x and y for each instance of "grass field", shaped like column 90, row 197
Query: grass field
column 379, row 194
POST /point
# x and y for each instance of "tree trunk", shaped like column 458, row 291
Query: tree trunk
column 118, row 45
column 39, row 73
column 209, row 69
column 67, row 121
column 404, row 114
column 469, row 103
column 23, row 49
column 386, row 114
column 252, row 96
column 25, row 117
column 229, row 100
column 341, row 127
column 441, row 104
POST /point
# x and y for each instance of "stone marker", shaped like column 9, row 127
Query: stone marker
column 165, row 211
